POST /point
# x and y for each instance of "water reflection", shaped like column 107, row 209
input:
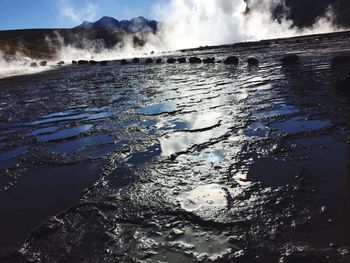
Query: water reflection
column 204, row 196
column 159, row 108
column 195, row 121
column 178, row 142
column 66, row 133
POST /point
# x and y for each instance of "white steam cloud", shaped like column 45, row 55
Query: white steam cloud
column 193, row 23
column 75, row 14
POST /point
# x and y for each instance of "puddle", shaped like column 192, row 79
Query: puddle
column 43, row 131
column 35, row 197
column 272, row 173
column 75, row 145
column 101, row 150
column 7, row 164
column 175, row 125
column 159, row 108
column 142, row 158
column 66, row 133
column 298, row 125
column 13, row 153
column 331, row 179
column 257, row 129
column 60, row 119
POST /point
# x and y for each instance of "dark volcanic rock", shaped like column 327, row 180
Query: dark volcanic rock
column 123, row 62
column 149, row 61
column 48, row 227
column 231, row 60
column 136, row 60
column 195, row 60
column 343, row 84
column 74, row 62
column 181, row 60
column 171, row 60
column 290, row 59
column 83, row 62
column 33, row 64
column 253, row 61
column 61, row 63
column 209, row 60
column 93, row 62
column 43, row 63
column 340, row 60
column 158, row 60
column 103, row 63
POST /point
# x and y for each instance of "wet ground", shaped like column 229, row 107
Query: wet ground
column 179, row 163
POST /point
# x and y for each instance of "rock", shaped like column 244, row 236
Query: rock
column 231, row 60
column 74, row 62
column 61, row 63
column 171, row 60
column 181, row 60
column 149, row 61
column 93, row 62
column 136, row 60
column 83, row 62
column 340, row 60
column 48, row 227
column 43, row 63
column 343, row 84
column 253, row 61
column 152, row 53
column 103, row 63
column 290, row 59
column 33, row 64
column 124, row 62
column 174, row 234
column 158, row 60
column 195, row 60
column 209, row 60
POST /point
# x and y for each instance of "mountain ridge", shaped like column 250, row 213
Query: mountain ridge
column 137, row 24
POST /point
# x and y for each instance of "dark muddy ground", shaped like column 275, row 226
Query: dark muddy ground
column 179, row 163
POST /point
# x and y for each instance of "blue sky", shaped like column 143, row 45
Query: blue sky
column 17, row 14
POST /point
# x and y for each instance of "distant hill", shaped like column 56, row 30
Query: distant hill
column 138, row 24
column 106, row 32
column 44, row 43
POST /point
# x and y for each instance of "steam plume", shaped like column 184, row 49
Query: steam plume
column 193, row 23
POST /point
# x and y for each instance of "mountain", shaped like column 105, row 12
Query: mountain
column 138, row 24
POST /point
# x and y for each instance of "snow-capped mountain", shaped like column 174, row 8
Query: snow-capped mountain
column 138, row 24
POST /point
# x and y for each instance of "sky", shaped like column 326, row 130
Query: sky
column 20, row 14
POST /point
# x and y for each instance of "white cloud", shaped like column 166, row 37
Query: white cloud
column 76, row 14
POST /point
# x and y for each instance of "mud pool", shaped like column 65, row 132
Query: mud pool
column 179, row 162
